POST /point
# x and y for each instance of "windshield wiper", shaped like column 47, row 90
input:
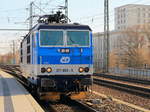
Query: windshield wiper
column 73, row 42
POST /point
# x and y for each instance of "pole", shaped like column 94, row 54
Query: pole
column 14, row 60
column 66, row 9
column 31, row 16
column 106, row 37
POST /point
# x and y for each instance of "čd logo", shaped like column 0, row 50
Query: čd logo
column 65, row 60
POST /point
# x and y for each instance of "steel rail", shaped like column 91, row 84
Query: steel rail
column 47, row 106
column 124, row 78
column 79, row 104
column 144, row 92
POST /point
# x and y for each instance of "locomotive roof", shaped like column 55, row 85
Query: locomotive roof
column 58, row 26
column 61, row 26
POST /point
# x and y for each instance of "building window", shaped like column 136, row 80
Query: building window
column 139, row 14
column 121, row 15
column 143, row 9
column 121, row 21
column 124, row 15
column 138, row 21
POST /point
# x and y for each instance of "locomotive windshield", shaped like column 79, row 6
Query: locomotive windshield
column 78, row 38
column 56, row 38
column 51, row 38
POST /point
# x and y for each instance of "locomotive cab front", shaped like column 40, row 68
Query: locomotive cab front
column 61, row 58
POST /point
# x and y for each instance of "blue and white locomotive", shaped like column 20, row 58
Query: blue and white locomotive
column 58, row 59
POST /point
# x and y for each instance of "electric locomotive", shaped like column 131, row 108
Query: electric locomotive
column 57, row 58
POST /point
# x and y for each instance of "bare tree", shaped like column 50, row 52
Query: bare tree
column 146, row 31
column 7, row 58
column 130, row 52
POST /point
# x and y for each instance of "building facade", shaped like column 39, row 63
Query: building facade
column 98, row 51
column 131, row 15
column 98, row 40
column 127, row 18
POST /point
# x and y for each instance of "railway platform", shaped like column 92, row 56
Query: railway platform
column 14, row 97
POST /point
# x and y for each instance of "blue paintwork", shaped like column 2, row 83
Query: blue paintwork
column 51, row 55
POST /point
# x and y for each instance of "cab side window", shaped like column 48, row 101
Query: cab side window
column 28, row 50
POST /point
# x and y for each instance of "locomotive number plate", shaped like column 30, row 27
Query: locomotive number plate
column 64, row 70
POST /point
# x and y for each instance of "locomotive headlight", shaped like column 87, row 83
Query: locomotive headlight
column 63, row 51
column 81, row 69
column 86, row 69
column 49, row 69
column 43, row 70
column 67, row 50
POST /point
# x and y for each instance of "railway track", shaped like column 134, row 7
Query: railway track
column 124, row 78
column 66, row 103
column 131, row 88
column 135, row 89
column 85, row 107
column 79, row 106
column 71, row 106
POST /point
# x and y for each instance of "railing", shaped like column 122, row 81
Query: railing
column 132, row 72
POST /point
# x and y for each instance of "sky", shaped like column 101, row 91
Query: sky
column 14, row 14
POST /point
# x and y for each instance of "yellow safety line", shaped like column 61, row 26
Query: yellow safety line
column 122, row 102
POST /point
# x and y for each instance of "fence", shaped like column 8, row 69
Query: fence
column 132, row 72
